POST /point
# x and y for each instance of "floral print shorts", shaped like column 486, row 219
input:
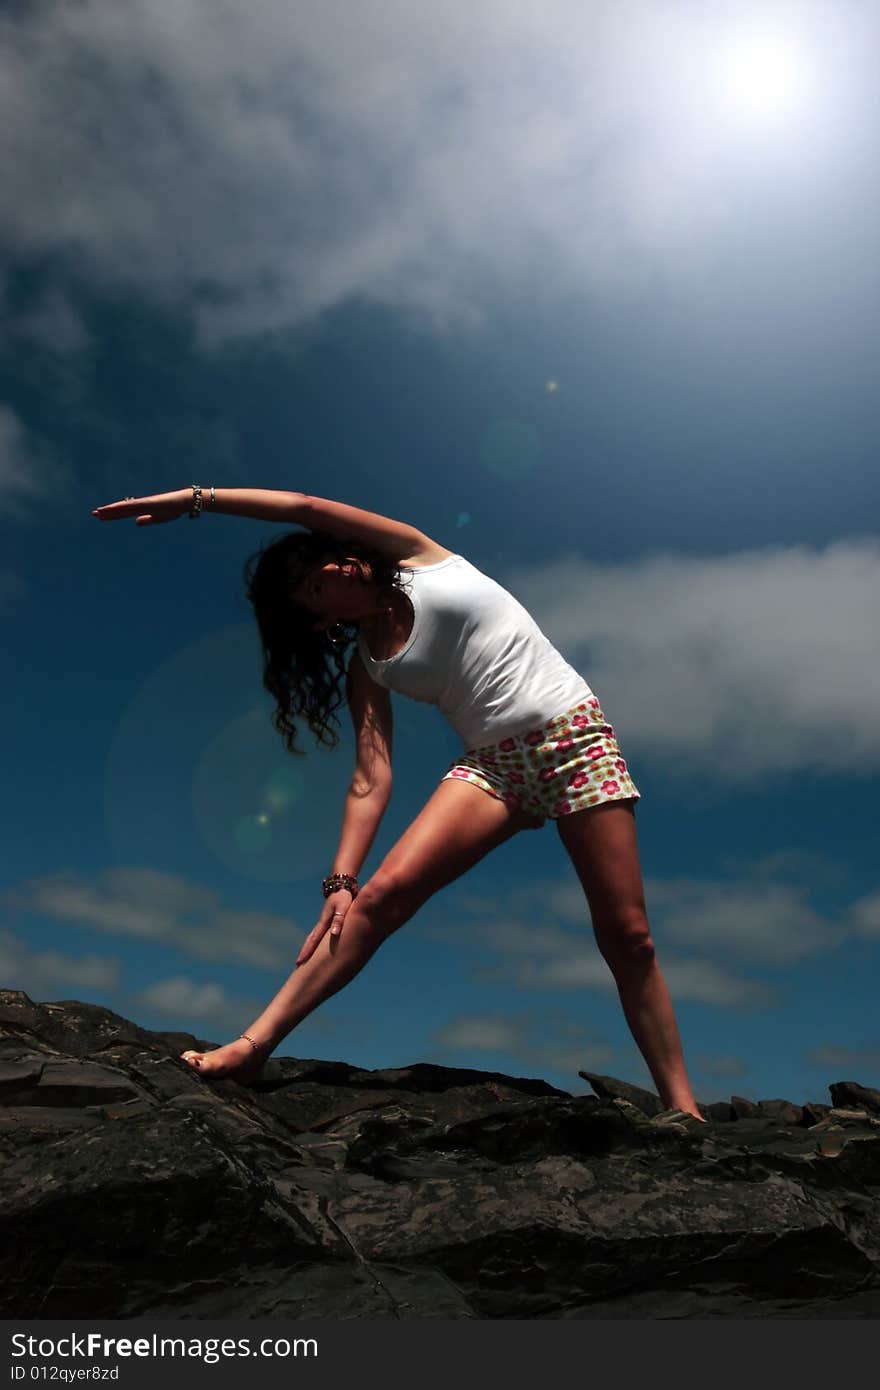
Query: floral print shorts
column 565, row 765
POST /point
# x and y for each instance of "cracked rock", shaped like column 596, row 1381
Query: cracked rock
column 133, row 1188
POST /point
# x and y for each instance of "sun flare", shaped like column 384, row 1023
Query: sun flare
column 764, row 76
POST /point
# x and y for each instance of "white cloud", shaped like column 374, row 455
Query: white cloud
column 751, row 919
column 698, row 980
column 862, row 1059
column 43, row 974
column 747, row 667
column 707, row 933
column 864, row 917
column 181, row 997
column 770, row 923
column 480, row 1034
column 808, row 865
column 535, row 1044
column 272, row 159
column 559, row 1046
column 156, row 906
column 29, row 475
column 535, row 955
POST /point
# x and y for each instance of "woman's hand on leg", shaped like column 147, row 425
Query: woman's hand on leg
column 332, row 917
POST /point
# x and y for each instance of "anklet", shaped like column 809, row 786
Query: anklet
column 255, row 1046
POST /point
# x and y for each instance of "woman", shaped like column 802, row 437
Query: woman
column 428, row 624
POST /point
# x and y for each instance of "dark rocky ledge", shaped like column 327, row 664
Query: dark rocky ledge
column 131, row 1188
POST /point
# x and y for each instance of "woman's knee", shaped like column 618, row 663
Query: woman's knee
column 625, row 940
column 386, row 901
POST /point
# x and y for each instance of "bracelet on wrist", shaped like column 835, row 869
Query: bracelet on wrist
column 196, row 509
column 336, row 881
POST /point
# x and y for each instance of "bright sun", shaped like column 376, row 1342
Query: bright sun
column 765, row 77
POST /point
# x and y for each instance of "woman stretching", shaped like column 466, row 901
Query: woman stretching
column 426, row 623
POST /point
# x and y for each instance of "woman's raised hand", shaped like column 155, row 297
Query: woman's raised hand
column 148, row 511
column 331, row 919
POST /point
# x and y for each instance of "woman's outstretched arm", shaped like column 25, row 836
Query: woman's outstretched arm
column 367, row 798
column 395, row 539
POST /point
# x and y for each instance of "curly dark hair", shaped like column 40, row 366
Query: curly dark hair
column 303, row 669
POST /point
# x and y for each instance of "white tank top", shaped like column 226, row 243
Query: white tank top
column 477, row 654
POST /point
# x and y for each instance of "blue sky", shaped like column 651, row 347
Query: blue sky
column 589, row 293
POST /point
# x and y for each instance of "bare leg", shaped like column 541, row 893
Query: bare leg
column 649, row 1013
column 457, row 827
column 601, row 843
column 324, row 973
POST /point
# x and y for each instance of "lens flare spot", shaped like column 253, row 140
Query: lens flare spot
column 283, row 790
column 551, row 386
column 258, row 811
column 252, row 834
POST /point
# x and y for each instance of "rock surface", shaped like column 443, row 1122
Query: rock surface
column 132, row 1188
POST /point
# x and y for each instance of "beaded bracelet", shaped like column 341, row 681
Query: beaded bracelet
column 334, row 881
column 196, row 509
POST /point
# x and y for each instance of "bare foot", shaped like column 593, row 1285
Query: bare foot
column 237, row 1060
column 694, row 1114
